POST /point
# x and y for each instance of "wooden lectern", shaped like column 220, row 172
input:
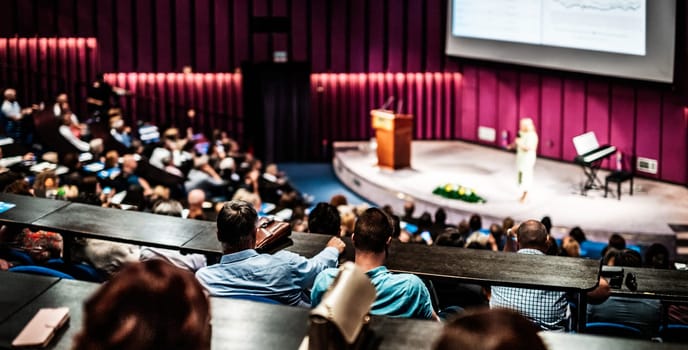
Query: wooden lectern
column 393, row 133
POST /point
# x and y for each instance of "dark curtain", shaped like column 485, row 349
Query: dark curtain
column 277, row 111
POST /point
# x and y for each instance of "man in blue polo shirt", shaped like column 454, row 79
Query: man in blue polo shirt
column 398, row 295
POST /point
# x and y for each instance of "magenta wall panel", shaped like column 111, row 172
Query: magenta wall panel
column 395, row 37
column 621, row 127
column 357, row 37
column 240, row 29
column 574, row 116
column 649, row 113
column 674, row 146
column 529, row 97
column 434, row 34
column 338, row 36
column 507, row 106
column 469, row 104
column 376, row 36
column 487, row 100
column 550, row 117
column 143, row 39
column 318, row 33
column 125, row 41
column 597, row 112
column 204, row 29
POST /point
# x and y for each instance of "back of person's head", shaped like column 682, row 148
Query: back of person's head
column 338, row 199
column 547, row 221
column 578, row 234
column 617, row 242
column 464, row 228
column 496, row 329
column 195, row 198
column 424, row 221
column 70, row 160
column 236, row 223
column 532, row 234
column 325, row 219
column 396, row 225
column 168, row 207
column 496, row 231
column 570, row 247
column 111, row 159
column 507, row 223
column 657, row 256
column 372, row 231
column 20, row 187
column 440, row 216
column 475, row 222
column 147, row 305
column 628, row 257
column 409, row 208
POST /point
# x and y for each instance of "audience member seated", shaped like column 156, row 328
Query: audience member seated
column 643, row 314
column 195, row 200
column 71, row 131
column 108, row 257
column 283, row 276
column 440, row 223
column 615, row 241
column 657, row 257
column 324, row 219
column 120, row 131
column 498, row 235
column 548, row 309
column 490, row 330
column 150, row 305
column 570, row 247
column 578, row 234
column 16, row 120
column 127, row 176
column 398, row 295
column 45, row 184
column 409, row 208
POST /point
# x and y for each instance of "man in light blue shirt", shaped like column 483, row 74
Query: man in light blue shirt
column 283, row 276
column 398, row 295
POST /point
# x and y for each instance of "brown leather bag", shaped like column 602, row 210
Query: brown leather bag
column 270, row 231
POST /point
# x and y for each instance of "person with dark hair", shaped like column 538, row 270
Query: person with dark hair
column 283, row 276
column 398, row 295
column 547, row 221
column 546, row 308
column 325, row 219
column 657, row 257
column 475, row 222
column 490, row 330
column 615, row 241
column 409, row 208
column 643, row 314
column 150, row 305
column 101, row 96
column 578, row 234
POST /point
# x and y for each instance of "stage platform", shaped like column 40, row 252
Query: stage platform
column 643, row 218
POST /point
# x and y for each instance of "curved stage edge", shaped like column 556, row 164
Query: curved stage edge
column 642, row 219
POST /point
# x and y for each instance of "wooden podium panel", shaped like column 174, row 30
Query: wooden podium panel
column 394, row 133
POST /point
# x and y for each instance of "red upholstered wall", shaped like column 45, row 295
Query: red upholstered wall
column 39, row 68
column 450, row 97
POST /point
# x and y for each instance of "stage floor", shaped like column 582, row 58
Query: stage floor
column 643, row 218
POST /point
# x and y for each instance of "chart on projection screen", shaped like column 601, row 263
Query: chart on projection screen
column 598, row 25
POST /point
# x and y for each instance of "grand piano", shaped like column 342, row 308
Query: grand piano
column 590, row 157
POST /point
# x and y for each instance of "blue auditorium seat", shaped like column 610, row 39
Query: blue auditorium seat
column 674, row 333
column 80, row 271
column 256, row 298
column 40, row 270
column 613, row 330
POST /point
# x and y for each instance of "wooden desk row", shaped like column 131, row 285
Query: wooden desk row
column 240, row 324
column 466, row 265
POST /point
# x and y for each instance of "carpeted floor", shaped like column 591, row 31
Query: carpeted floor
column 318, row 180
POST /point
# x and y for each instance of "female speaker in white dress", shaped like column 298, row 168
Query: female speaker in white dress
column 526, row 151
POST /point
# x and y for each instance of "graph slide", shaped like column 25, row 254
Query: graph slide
column 616, row 26
column 612, row 26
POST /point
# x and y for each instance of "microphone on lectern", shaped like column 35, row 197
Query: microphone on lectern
column 388, row 103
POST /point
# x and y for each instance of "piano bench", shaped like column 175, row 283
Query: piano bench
column 618, row 177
